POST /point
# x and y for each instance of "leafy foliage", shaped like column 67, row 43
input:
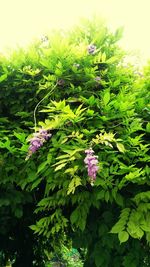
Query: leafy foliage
column 86, row 100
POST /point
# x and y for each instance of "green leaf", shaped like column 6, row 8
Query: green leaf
column 116, row 83
column 42, row 166
column 103, row 57
column 59, row 167
column 106, row 97
column 123, row 236
column 135, row 174
column 36, row 183
column 33, row 227
column 20, row 136
column 120, row 147
column 75, row 182
column 18, row 213
column 3, row 77
column 119, row 200
column 148, row 127
column 111, row 60
column 107, row 196
column 118, row 227
column 74, row 216
column 100, row 194
column 135, row 232
column 92, row 100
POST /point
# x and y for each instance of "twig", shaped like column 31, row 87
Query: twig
column 36, row 107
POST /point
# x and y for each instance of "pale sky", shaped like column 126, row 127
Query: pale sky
column 21, row 20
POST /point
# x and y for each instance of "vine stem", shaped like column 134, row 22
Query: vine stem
column 36, row 107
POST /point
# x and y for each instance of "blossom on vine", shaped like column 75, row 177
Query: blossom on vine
column 91, row 162
column 97, row 78
column 35, row 144
column 37, row 141
column 60, row 82
column 45, row 134
column 91, row 49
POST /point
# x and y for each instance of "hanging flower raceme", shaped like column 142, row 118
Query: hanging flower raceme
column 91, row 162
column 37, row 141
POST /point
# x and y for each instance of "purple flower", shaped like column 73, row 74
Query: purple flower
column 91, row 162
column 35, row 144
column 44, row 134
column 91, row 49
column 61, row 82
column 89, row 151
column 97, row 79
column 37, row 141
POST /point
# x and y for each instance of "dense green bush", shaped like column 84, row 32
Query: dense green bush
column 18, row 87
column 88, row 98
column 65, row 257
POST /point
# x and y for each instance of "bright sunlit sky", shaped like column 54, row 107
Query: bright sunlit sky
column 21, row 20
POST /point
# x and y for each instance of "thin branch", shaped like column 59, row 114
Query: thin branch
column 36, row 107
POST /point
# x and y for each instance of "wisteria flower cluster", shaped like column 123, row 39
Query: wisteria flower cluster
column 37, row 141
column 91, row 162
column 91, row 49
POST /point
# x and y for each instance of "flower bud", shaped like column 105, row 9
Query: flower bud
column 91, row 49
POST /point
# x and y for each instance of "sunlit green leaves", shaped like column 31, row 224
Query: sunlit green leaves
column 3, row 77
column 120, row 147
column 75, row 182
column 79, row 215
column 123, row 236
column 120, row 225
column 106, row 97
column 111, row 116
